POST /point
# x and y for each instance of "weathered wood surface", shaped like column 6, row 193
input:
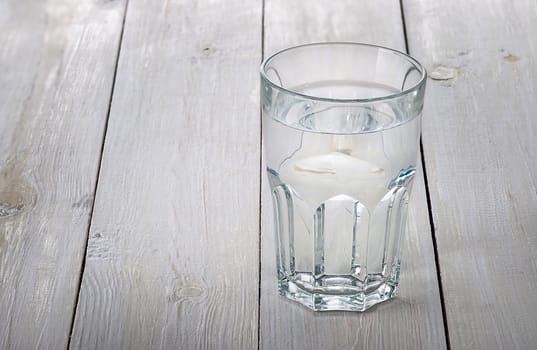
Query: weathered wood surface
column 414, row 319
column 57, row 61
column 480, row 153
column 172, row 260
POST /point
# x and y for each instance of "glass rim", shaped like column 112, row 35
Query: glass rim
column 391, row 96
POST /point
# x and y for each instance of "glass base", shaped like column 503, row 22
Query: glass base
column 337, row 301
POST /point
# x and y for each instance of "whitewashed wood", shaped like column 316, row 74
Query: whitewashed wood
column 57, row 61
column 479, row 141
column 414, row 319
column 172, row 261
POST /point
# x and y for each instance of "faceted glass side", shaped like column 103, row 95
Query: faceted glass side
column 339, row 256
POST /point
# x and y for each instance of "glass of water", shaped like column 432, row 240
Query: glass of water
column 341, row 128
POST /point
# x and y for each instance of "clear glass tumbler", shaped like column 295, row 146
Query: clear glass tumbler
column 341, row 127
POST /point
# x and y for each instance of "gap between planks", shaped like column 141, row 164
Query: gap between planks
column 260, row 182
column 83, row 265
column 429, row 206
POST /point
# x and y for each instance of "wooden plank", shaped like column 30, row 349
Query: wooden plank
column 479, row 141
column 414, row 319
column 172, row 261
column 58, row 60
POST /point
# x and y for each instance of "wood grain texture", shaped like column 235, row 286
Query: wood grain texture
column 57, row 60
column 479, row 141
column 414, row 319
column 172, row 261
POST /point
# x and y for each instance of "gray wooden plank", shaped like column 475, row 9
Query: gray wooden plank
column 414, row 319
column 57, row 60
column 172, row 260
column 479, row 142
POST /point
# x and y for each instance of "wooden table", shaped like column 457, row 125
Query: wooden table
column 134, row 213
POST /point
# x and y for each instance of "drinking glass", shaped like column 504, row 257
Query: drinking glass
column 341, row 128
